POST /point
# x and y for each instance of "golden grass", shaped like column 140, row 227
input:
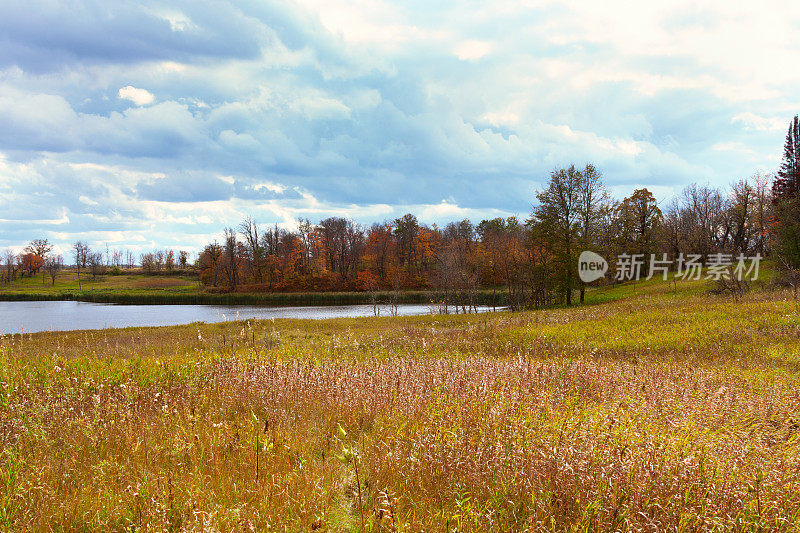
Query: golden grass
column 654, row 412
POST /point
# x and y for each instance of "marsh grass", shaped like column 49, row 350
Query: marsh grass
column 655, row 411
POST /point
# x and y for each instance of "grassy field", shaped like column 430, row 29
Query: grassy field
column 127, row 283
column 186, row 289
column 658, row 409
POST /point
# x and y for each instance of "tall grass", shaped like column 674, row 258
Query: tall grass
column 650, row 413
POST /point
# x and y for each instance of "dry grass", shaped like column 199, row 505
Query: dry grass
column 656, row 412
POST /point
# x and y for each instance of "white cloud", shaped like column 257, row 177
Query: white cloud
column 139, row 97
column 752, row 121
column 271, row 187
column 733, row 147
column 371, row 108
column 321, row 107
column 472, row 50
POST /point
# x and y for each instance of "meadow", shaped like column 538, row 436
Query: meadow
column 654, row 408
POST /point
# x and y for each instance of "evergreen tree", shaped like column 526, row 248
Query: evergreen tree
column 785, row 191
column 787, row 183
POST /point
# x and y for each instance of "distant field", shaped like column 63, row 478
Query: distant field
column 67, row 281
column 186, row 289
column 660, row 409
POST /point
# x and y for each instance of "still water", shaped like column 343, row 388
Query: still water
column 30, row 317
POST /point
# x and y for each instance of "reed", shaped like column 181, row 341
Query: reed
column 658, row 411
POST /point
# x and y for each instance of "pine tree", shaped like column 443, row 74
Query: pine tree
column 786, row 199
column 787, row 183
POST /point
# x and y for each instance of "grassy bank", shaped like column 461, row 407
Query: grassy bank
column 158, row 290
column 266, row 299
column 667, row 409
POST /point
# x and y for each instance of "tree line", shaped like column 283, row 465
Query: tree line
column 38, row 257
column 533, row 260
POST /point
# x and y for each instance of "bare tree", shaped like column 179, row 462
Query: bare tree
column 158, row 260
column 129, row 258
column 96, row 265
column 762, row 212
column 10, row 259
column 739, row 216
column 80, row 250
column 53, row 265
column 703, row 212
column 40, row 247
column 231, row 258
column 255, row 252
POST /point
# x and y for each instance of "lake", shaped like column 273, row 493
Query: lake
column 30, row 317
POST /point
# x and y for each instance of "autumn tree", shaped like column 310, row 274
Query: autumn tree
column 593, row 204
column 456, row 273
column 406, row 231
column 40, row 248
column 342, row 244
column 148, row 263
column 169, row 260
column 209, row 263
column 293, row 256
column 31, row 263
column 183, row 259
column 504, row 262
column 381, row 251
column 638, row 221
column 490, row 235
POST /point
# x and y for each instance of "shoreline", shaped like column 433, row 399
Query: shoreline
column 272, row 299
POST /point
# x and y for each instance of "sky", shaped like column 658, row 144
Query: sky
column 146, row 124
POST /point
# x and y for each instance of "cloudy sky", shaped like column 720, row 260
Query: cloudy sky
column 143, row 124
